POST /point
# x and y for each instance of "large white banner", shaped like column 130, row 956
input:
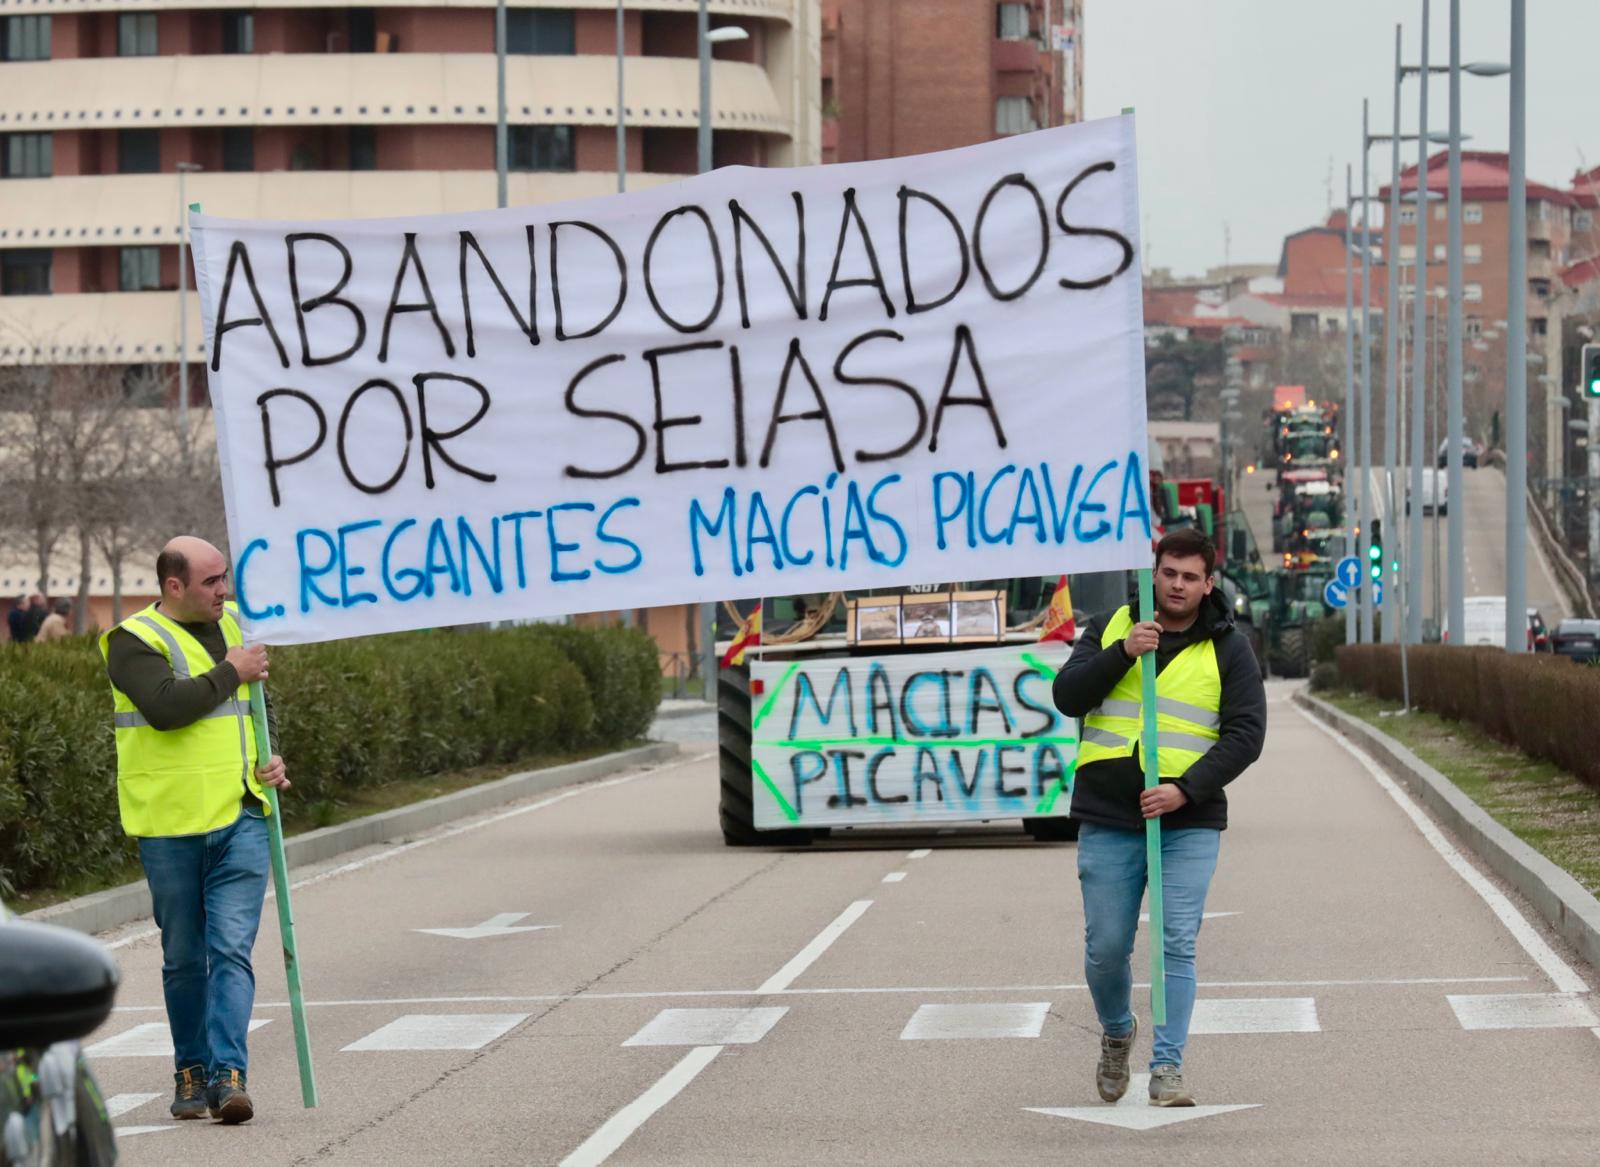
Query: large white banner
column 753, row 382
column 930, row 737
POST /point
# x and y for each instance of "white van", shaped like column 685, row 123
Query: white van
column 1435, row 491
column 1485, row 619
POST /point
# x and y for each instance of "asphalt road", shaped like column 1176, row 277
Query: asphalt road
column 885, row 1000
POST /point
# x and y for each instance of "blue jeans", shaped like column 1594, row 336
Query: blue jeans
column 1111, row 868
column 207, row 892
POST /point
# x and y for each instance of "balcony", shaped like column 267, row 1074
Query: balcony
column 1015, row 56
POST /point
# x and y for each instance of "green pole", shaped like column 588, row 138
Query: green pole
column 1150, row 751
column 280, row 881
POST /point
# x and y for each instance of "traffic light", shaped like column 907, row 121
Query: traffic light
column 1590, row 364
column 1375, row 551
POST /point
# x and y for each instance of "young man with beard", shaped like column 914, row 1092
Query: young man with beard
column 1211, row 722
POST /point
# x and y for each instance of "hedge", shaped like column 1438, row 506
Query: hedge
column 351, row 714
column 1537, row 702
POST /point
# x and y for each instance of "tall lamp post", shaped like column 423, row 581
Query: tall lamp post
column 1517, row 346
column 1351, row 480
column 709, row 36
column 184, row 169
column 501, row 145
column 622, row 124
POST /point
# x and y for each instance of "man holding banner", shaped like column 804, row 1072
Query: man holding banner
column 190, row 790
column 1211, row 723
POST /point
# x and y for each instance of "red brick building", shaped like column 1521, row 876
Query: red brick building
column 901, row 78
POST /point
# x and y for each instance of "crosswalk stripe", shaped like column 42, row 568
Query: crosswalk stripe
column 438, row 1031
column 956, row 1022
column 1522, row 1011
column 151, row 1039
column 1255, row 1015
column 708, row 1026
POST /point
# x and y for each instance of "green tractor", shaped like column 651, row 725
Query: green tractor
column 1296, row 601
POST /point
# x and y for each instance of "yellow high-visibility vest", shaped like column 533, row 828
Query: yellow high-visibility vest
column 183, row 781
column 1188, row 707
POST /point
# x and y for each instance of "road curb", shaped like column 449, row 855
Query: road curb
column 686, row 707
column 117, row 906
column 1560, row 899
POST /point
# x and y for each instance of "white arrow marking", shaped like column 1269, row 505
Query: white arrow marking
column 1144, row 917
column 500, row 925
column 1134, row 1111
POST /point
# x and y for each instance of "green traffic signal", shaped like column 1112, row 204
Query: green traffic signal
column 1377, row 569
column 1589, row 382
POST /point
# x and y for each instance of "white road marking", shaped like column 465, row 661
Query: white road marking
column 1522, row 1011
column 808, row 955
column 1255, row 1015
column 1134, row 1112
column 500, row 925
column 1144, row 917
column 128, row 1132
column 476, row 824
column 894, row 877
column 680, row 994
column 951, row 1022
column 434, row 1031
column 1560, row 973
column 600, row 1146
column 151, row 1039
column 708, row 1026
column 920, row 853
column 119, row 1104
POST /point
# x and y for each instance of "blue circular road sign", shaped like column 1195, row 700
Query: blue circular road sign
column 1349, row 572
column 1335, row 594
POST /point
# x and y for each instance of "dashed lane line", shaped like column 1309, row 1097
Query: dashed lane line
column 894, row 877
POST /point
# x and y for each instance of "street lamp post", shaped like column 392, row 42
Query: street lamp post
column 621, row 119
column 1366, row 630
column 184, row 169
column 1419, row 352
column 501, row 145
column 1391, row 628
column 1517, row 347
column 1349, row 387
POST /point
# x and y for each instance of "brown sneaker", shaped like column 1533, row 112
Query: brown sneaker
column 227, row 1099
column 189, row 1100
column 1167, row 1088
column 1111, row 1074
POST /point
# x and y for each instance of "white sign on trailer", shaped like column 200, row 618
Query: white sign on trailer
column 752, row 382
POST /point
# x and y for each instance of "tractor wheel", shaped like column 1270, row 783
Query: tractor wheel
column 735, row 808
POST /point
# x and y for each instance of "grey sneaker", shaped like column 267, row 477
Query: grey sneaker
column 1111, row 1074
column 1167, row 1088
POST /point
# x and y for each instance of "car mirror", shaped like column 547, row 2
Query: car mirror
column 55, row 984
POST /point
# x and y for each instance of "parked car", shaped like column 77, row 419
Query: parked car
column 56, row 986
column 1577, row 639
column 1469, row 452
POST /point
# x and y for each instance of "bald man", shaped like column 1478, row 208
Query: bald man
column 190, row 789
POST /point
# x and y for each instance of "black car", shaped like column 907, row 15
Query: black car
column 1577, row 639
column 56, row 986
column 1469, row 453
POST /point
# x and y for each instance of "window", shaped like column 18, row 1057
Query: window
column 1408, row 215
column 550, row 32
column 1013, row 115
column 1439, row 212
column 27, row 38
column 1439, row 255
column 1472, row 327
column 1408, row 253
column 25, row 272
column 238, row 148
column 1582, row 221
column 1472, row 253
column 1408, row 292
column 540, row 148
column 136, row 34
column 1538, row 326
column 1011, row 22
column 140, row 269
column 27, row 155
column 138, row 151
column 363, row 148
column 1472, row 213
column 1472, row 293
column 238, row 32
column 1539, row 289
column 1539, row 248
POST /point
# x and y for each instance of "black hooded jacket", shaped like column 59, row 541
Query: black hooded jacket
column 1107, row 792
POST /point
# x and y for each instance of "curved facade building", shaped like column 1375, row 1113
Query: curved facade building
column 296, row 109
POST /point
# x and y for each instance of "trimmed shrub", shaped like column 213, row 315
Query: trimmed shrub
column 1327, row 636
column 351, row 715
column 1536, row 702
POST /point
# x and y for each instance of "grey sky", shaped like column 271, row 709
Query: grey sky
column 1245, row 105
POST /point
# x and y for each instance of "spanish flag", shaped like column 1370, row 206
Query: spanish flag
column 1058, row 622
column 749, row 633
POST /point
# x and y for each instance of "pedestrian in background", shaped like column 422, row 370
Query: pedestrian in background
column 17, row 622
column 55, row 624
column 37, row 611
column 189, row 787
column 1211, row 722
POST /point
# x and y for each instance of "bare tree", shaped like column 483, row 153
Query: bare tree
column 31, row 467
